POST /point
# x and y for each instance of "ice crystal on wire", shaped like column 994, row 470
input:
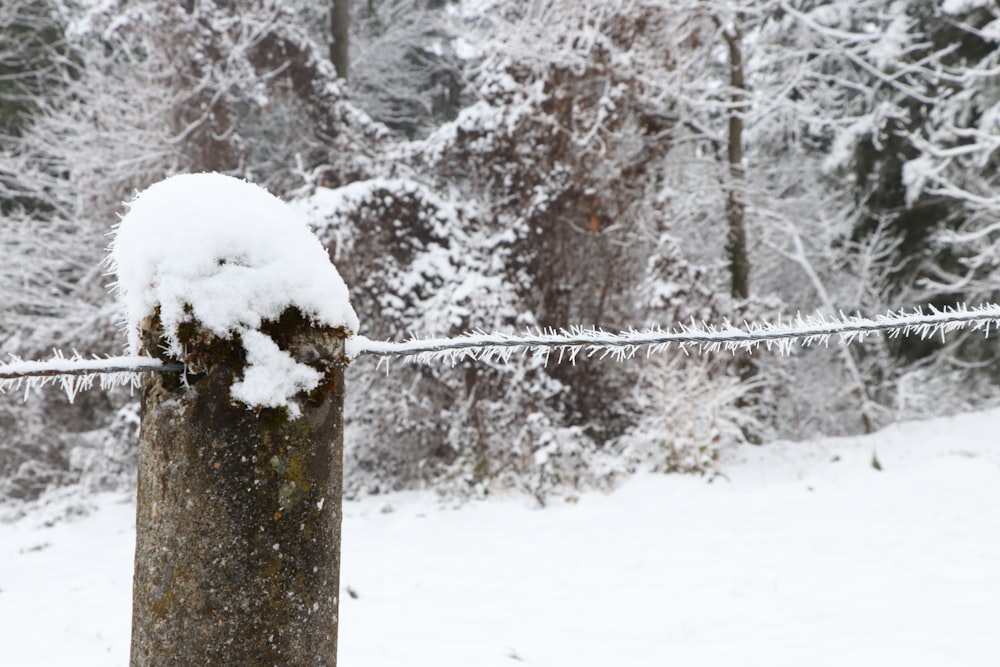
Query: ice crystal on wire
column 567, row 345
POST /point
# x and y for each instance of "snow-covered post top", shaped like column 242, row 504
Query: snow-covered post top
column 227, row 255
column 240, row 457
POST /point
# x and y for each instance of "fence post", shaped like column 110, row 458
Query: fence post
column 239, row 509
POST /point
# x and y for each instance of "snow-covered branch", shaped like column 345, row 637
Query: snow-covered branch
column 568, row 344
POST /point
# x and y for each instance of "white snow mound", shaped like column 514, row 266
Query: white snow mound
column 234, row 255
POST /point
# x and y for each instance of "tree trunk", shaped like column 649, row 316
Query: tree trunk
column 237, row 556
column 736, row 239
column 340, row 24
column 736, row 245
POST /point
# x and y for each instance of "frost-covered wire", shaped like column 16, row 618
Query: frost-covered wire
column 569, row 344
column 75, row 374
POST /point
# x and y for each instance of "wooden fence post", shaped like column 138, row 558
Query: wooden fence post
column 239, row 509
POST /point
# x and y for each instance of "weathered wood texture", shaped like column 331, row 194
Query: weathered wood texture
column 239, row 511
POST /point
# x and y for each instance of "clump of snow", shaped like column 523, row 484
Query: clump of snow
column 891, row 47
column 916, row 174
column 842, row 151
column 271, row 374
column 961, row 6
column 229, row 255
column 991, row 31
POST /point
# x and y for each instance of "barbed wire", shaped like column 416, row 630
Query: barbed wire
column 570, row 343
column 75, row 374
column 80, row 366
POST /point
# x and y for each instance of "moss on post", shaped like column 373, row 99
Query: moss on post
column 239, row 509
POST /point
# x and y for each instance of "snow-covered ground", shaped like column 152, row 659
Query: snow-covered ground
column 798, row 554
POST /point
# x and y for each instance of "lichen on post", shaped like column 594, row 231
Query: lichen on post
column 240, row 457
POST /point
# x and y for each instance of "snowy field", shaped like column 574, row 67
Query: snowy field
column 798, row 554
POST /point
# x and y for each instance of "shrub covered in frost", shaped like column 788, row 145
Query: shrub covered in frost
column 532, row 208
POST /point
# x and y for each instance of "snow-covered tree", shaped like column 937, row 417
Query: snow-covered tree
column 906, row 85
column 147, row 89
column 513, row 165
column 407, row 71
column 535, row 207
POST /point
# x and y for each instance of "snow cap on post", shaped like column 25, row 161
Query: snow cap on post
column 228, row 255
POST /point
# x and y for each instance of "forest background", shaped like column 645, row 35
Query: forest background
column 513, row 164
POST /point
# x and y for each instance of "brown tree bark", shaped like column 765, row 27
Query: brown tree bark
column 736, row 238
column 736, row 243
column 239, row 510
column 340, row 24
